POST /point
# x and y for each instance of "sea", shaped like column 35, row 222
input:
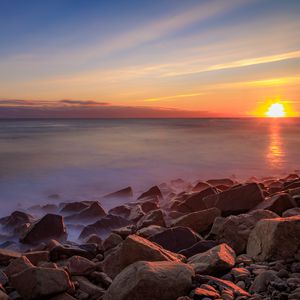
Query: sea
column 50, row 160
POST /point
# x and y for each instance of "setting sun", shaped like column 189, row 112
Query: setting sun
column 276, row 110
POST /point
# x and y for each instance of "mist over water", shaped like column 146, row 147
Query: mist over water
column 85, row 159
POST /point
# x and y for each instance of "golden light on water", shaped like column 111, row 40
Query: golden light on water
column 276, row 110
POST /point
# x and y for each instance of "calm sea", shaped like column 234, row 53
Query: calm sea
column 84, row 159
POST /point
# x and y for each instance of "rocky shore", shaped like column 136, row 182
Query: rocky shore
column 219, row 239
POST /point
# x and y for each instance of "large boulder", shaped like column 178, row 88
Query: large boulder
column 214, row 261
column 49, row 227
column 18, row 265
column 36, row 283
column 154, row 217
column 123, row 194
column 176, row 238
column 238, row 199
column 291, row 212
column 274, row 239
column 199, row 221
column 199, row 247
column 194, row 202
column 278, row 203
column 136, row 248
column 152, row 193
column 104, row 226
column 15, row 221
column 73, row 207
column 148, row 231
column 121, row 210
column 151, row 280
column 235, row 230
column 78, row 265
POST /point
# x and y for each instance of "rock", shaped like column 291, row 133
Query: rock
column 199, row 221
column 224, row 285
column 94, row 211
column 94, row 292
column 3, row 279
column 262, row 280
column 154, row 217
column 200, row 293
column 176, row 238
column 125, row 231
column 136, row 213
column 278, row 203
column 153, row 192
column 214, row 261
column 195, row 202
column 150, row 230
column 101, row 278
column 65, row 251
column 94, row 238
column 221, row 181
column 35, row 283
column 274, row 239
column 151, row 280
column 235, row 230
column 123, row 194
column 15, row 221
column 48, row 227
column 104, row 226
column 73, row 207
column 18, row 265
column 112, row 241
column 79, row 265
column 136, row 248
column 291, row 212
column 7, row 255
column 37, row 256
column 199, row 247
column 121, row 210
column 4, row 296
column 63, row 296
column 240, row 274
column 238, row 199
column 200, row 186
column 148, row 206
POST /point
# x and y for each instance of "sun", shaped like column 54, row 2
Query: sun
column 276, row 110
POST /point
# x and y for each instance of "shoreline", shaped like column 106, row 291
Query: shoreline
column 228, row 239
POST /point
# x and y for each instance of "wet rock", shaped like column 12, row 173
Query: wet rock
column 35, row 283
column 199, row 221
column 136, row 248
column 125, row 231
column 151, row 280
column 200, row 186
column 79, row 265
column 238, row 199
column 176, row 238
column 199, row 247
column 104, row 226
column 235, row 230
column 148, row 206
column 214, row 261
column 155, row 217
column 49, row 227
column 148, row 231
column 7, row 255
column 240, row 274
column 94, row 211
column 274, row 239
column 278, row 203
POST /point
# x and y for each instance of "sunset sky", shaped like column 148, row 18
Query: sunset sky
column 159, row 58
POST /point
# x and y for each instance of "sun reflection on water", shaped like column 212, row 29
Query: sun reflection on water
column 275, row 152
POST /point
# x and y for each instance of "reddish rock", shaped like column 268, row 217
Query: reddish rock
column 199, row 247
column 278, row 203
column 151, row 280
column 176, row 238
column 194, row 202
column 274, row 239
column 153, row 192
column 200, row 293
column 238, row 199
column 79, row 265
column 36, row 283
column 18, row 265
column 155, row 217
column 49, row 227
column 200, row 186
column 200, row 221
column 214, row 261
column 112, row 241
column 37, row 256
column 291, row 212
column 223, row 181
column 139, row 249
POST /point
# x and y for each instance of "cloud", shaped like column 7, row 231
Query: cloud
column 83, row 102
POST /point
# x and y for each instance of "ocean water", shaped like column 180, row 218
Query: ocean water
column 85, row 159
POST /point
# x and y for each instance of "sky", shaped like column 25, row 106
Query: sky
column 159, row 58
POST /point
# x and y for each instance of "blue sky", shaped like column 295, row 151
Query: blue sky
column 204, row 56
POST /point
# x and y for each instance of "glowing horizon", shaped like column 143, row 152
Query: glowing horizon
column 191, row 59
